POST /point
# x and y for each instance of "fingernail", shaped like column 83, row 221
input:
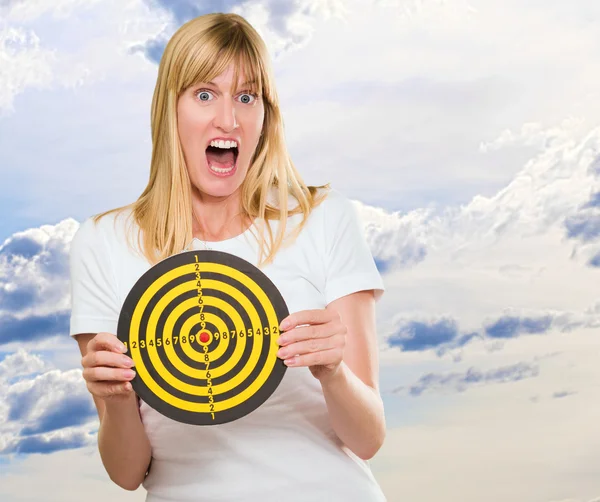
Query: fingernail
column 281, row 353
column 129, row 373
column 121, row 348
column 285, row 324
column 282, row 340
column 128, row 362
column 291, row 361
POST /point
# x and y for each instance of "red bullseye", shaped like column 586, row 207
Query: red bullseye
column 204, row 337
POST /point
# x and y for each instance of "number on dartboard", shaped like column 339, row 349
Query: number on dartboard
column 159, row 342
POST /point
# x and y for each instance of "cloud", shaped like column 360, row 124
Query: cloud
column 20, row 363
column 443, row 334
column 45, row 409
column 461, row 381
column 34, row 275
column 594, row 261
column 24, row 64
column 511, row 326
column 49, row 443
column 595, row 198
column 394, row 239
column 563, row 393
column 60, row 45
column 71, row 411
column 583, row 226
column 284, row 25
column 29, row 10
column 534, row 134
column 415, row 335
column 33, row 327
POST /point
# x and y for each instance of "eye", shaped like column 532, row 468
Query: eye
column 244, row 97
column 200, row 93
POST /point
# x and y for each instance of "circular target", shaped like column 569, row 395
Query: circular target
column 202, row 329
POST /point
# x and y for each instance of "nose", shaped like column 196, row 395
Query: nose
column 225, row 115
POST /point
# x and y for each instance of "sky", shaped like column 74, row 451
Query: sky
column 467, row 133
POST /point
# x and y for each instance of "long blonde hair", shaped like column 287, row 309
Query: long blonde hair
column 199, row 51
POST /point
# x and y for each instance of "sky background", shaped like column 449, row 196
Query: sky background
column 468, row 135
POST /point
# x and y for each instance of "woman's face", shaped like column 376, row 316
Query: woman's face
column 207, row 112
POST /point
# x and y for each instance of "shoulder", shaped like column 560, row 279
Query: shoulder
column 99, row 233
column 335, row 202
column 335, row 209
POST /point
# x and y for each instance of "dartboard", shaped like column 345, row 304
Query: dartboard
column 202, row 329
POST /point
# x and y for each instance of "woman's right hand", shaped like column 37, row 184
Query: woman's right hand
column 106, row 369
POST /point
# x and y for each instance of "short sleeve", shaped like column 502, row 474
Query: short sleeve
column 349, row 263
column 94, row 304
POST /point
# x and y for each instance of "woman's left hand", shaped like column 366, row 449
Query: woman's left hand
column 313, row 338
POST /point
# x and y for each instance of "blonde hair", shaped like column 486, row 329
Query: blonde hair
column 199, row 51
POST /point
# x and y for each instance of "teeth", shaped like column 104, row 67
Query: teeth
column 223, row 144
column 221, row 170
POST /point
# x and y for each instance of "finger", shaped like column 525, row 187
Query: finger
column 106, row 341
column 315, row 316
column 103, row 374
column 104, row 390
column 307, row 332
column 323, row 357
column 310, row 346
column 106, row 358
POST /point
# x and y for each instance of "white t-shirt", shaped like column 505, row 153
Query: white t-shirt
column 286, row 449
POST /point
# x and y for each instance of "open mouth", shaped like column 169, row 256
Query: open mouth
column 221, row 160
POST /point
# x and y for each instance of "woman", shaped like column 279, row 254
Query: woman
column 221, row 179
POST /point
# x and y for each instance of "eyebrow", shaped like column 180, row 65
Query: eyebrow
column 241, row 85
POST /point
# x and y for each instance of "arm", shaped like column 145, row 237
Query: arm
column 339, row 345
column 352, row 391
column 122, row 441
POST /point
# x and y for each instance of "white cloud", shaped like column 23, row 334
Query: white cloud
column 43, row 409
column 461, row 381
column 34, row 270
column 284, row 25
column 521, row 437
column 29, row 10
column 20, row 363
column 89, row 43
column 24, row 63
column 510, row 250
column 534, row 134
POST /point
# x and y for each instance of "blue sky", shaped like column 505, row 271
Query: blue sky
column 468, row 135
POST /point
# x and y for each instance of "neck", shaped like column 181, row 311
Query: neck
column 217, row 218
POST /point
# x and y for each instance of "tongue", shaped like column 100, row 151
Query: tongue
column 220, row 158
